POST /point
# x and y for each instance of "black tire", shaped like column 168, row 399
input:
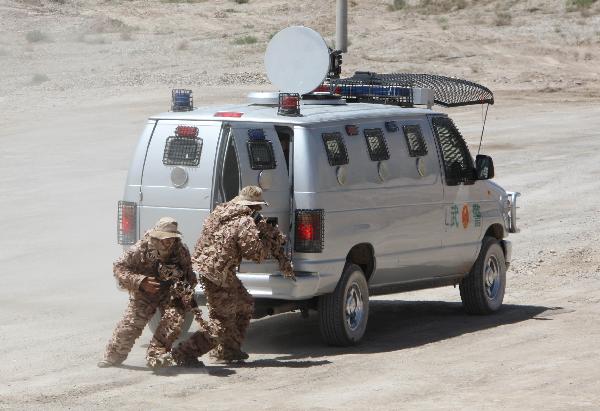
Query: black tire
column 482, row 290
column 343, row 314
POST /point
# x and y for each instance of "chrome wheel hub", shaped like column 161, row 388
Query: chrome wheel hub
column 491, row 276
column 354, row 311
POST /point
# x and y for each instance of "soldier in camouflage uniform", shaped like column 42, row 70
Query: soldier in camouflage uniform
column 234, row 230
column 156, row 271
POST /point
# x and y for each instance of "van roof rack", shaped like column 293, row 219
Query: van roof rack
column 397, row 89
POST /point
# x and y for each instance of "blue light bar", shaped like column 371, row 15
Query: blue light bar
column 374, row 90
column 256, row 134
column 181, row 100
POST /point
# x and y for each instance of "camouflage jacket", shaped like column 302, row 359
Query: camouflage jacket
column 142, row 261
column 228, row 235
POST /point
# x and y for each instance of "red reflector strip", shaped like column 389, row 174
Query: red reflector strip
column 186, row 131
column 228, row 114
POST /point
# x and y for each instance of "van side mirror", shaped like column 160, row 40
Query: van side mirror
column 484, row 167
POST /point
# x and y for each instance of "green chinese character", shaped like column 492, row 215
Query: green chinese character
column 454, row 216
column 477, row 215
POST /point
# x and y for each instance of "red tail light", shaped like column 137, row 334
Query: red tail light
column 186, row 131
column 309, row 231
column 127, row 223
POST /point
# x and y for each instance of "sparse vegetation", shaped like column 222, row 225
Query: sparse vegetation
column 503, row 18
column 36, row 36
column 443, row 21
column 579, row 5
column 440, row 6
column 245, row 40
column 39, row 78
column 241, row 1
column 397, row 5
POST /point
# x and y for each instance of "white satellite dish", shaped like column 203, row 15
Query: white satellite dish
column 297, row 60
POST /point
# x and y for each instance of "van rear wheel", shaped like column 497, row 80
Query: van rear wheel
column 482, row 290
column 343, row 314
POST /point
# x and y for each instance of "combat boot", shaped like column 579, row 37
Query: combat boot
column 106, row 364
column 229, row 355
column 187, row 361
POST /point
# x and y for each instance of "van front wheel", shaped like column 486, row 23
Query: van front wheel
column 482, row 290
column 343, row 314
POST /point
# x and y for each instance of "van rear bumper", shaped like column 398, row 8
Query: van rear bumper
column 265, row 285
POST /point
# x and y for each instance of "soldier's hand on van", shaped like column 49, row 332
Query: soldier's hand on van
column 150, row 285
column 288, row 271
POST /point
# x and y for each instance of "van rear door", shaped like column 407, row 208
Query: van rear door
column 261, row 162
column 177, row 178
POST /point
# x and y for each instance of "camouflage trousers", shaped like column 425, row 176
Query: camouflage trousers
column 140, row 310
column 230, row 310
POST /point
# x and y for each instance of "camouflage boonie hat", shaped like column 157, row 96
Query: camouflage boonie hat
column 165, row 228
column 250, row 195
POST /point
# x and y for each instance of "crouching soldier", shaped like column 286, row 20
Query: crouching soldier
column 157, row 272
column 234, row 230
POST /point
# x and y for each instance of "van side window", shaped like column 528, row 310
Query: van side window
column 261, row 155
column 182, row 151
column 415, row 141
column 378, row 149
column 337, row 155
column 231, row 172
column 458, row 163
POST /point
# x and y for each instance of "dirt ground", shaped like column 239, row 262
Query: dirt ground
column 75, row 96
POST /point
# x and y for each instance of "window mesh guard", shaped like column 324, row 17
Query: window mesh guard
column 337, row 155
column 414, row 140
column 458, row 163
column 396, row 88
column 261, row 155
column 376, row 144
column 182, row 151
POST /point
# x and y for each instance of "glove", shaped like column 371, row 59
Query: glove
column 288, row 271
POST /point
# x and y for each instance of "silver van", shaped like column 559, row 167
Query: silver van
column 374, row 198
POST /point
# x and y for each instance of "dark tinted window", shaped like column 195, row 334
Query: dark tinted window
column 415, row 141
column 261, row 155
column 458, row 163
column 337, row 154
column 182, row 151
column 231, row 172
column 376, row 144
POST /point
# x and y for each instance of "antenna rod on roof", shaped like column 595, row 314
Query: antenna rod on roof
column 341, row 26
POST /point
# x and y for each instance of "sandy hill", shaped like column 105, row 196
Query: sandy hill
column 59, row 47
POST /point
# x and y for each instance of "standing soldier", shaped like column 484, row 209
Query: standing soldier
column 157, row 272
column 234, row 230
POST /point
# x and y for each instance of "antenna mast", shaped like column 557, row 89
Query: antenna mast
column 341, row 26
